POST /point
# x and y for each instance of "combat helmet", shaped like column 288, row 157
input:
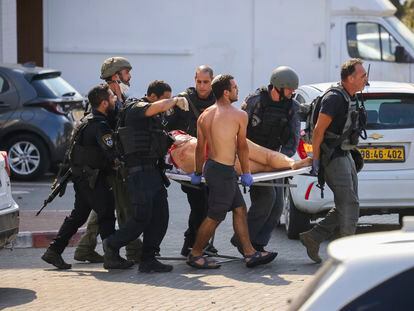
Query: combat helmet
column 284, row 77
column 112, row 65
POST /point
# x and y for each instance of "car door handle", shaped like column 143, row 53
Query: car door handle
column 3, row 105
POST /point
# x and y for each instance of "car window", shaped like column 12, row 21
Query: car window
column 370, row 41
column 4, row 85
column 390, row 112
column 388, row 45
column 300, row 98
column 53, row 87
column 393, row 294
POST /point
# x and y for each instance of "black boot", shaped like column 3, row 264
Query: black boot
column 153, row 265
column 54, row 258
column 210, row 250
column 112, row 260
column 186, row 249
column 258, row 247
column 91, row 256
column 235, row 242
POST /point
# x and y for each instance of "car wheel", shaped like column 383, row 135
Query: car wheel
column 28, row 157
column 295, row 221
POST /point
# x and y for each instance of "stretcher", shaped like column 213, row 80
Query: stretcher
column 259, row 179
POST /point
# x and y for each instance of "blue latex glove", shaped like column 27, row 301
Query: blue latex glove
column 195, row 179
column 246, row 179
column 315, row 167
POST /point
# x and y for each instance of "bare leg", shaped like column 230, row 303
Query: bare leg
column 252, row 257
column 204, row 234
column 242, row 231
column 256, row 167
column 302, row 163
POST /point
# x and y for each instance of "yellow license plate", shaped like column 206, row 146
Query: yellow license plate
column 383, row 153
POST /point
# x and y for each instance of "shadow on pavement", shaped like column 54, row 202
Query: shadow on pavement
column 187, row 278
column 11, row 297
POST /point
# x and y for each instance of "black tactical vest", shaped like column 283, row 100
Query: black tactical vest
column 269, row 122
column 143, row 138
column 197, row 106
column 82, row 154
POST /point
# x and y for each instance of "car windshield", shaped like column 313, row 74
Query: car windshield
column 53, row 87
column 405, row 32
column 389, row 111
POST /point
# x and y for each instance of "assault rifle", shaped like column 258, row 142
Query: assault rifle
column 58, row 188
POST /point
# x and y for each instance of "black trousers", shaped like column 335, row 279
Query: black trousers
column 197, row 198
column 150, row 213
column 100, row 199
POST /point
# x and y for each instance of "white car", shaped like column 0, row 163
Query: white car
column 373, row 271
column 386, row 183
column 9, row 210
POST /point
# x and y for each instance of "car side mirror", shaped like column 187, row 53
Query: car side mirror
column 400, row 55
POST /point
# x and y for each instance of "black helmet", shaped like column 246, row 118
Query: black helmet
column 112, row 65
column 284, row 77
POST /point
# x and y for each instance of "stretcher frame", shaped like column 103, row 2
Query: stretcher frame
column 259, row 179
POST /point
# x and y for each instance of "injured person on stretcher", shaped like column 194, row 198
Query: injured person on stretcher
column 181, row 156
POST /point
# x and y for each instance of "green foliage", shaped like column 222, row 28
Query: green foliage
column 408, row 14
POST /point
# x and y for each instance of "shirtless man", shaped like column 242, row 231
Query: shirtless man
column 222, row 128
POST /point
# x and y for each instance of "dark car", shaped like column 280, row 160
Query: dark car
column 38, row 110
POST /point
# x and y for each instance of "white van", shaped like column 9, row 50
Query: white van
column 9, row 210
column 168, row 39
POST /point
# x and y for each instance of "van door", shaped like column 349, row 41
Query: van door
column 335, row 48
column 283, row 35
column 371, row 41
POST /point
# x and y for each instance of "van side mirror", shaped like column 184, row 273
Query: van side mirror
column 400, row 54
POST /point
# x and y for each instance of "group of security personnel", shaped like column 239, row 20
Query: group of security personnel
column 117, row 160
column 99, row 160
column 133, row 179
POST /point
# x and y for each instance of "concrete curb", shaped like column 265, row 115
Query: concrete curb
column 42, row 239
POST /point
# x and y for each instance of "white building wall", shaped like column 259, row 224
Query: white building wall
column 162, row 39
column 8, row 31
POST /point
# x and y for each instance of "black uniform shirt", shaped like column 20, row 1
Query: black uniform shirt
column 178, row 119
column 98, row 134
column 334, row 105
column 135, row 117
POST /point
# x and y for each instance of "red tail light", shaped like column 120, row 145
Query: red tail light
column 301, row 150
column 52, row 107
column 6, row 161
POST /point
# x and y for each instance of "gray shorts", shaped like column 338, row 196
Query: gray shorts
column 223, row 191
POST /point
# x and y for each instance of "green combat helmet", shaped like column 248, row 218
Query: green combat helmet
column 113, row 65
column 284, row 77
